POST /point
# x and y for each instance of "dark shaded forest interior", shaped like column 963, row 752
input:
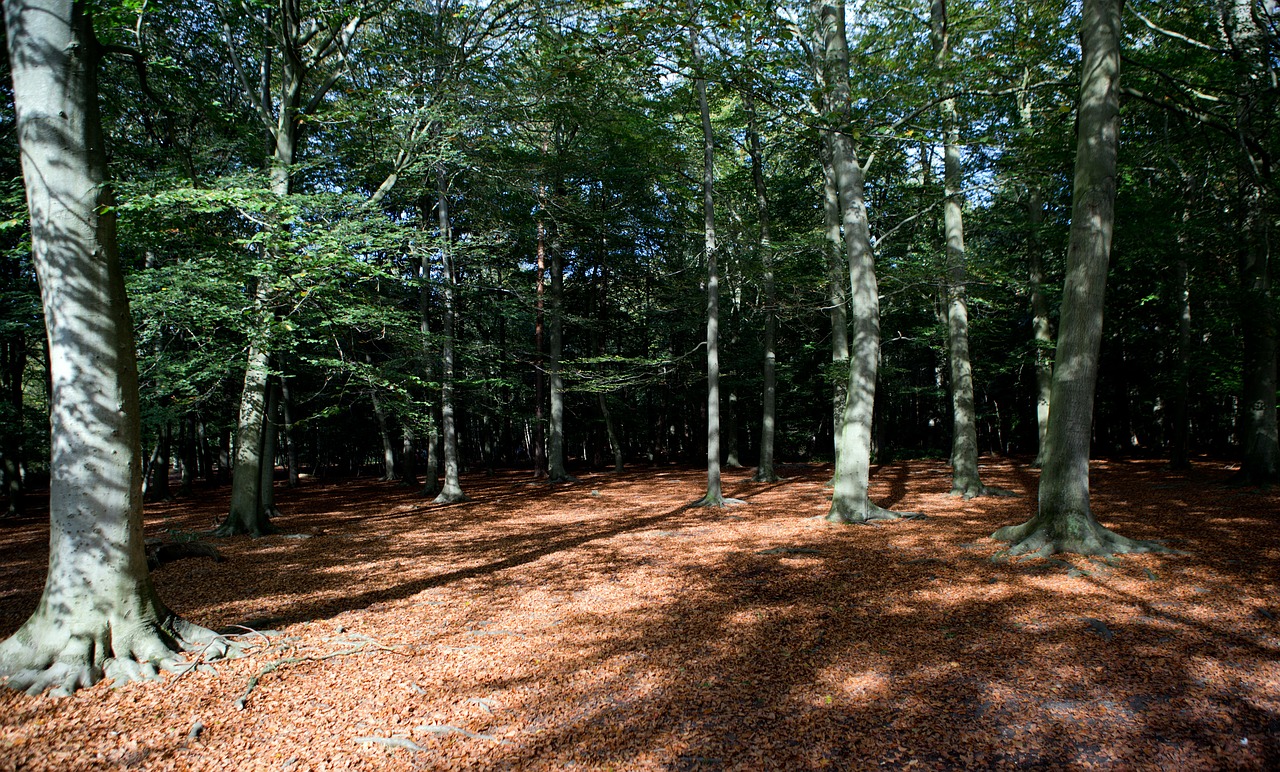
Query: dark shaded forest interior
column 499, row 383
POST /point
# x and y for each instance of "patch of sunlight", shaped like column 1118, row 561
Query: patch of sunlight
column 866, row 685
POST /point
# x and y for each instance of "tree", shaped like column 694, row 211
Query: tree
column 714, row 496
column 1064, row 521
column 965, row 479
column 850, row 502
column 99, row 614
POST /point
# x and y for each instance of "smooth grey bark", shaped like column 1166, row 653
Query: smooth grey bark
column 1252, row 53
column 714, row 496
column 837, row 290
column 451, row 492
column 850, row 502
column 431, row 483
column 769, row 394
column 190, row 455
column 539, row 331
column 1065, row 522
column 99, row 615
column 837, row 287
column 246, row 515
column 1179, row 419
column 1041, row 324
column 555, row 339
column 965, row 478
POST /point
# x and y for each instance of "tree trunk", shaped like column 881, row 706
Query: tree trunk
column 408, row 455
column 555, row 441
column 1065, row 522
column 452, row 491
column 1261, row 461
column 384, row 432
column 246, row 515
column 540, row 383
column 769, row 395
column 99, row 614
column 965, row 479
column 1041, row 325
column 714, row 496
column 1180, row 441
column 290, row 441
column 267, row 468
column 158, row 489
column 187, row 439
column 14, row 363
column 850, row 503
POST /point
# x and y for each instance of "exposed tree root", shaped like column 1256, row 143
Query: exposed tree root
column 450, row 497
column 977, row 490
column 261, row 528
column 716, row 501
column 160, row 552
column 46, row 656
column 1073, row 532
column 869, row 512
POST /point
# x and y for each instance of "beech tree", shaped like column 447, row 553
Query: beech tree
column 1064, row 521
column 99, row 615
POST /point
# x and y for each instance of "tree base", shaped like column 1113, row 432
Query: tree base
column 448, row 496
column 45, row 656
column 763, row 476
column 867, row 512
column 234, row 527
column 564, row 479
column 977, row 489
column 717, row 501
column 1075, row 532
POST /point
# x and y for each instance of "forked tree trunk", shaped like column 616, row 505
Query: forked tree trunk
column 850, row 502
column 714, row 496
column 99, row 614
column 1065, row 522
column 452, row 491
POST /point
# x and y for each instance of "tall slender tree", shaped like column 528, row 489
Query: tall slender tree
column 850, row 502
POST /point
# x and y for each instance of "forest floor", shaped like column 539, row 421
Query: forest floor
column 604, row 625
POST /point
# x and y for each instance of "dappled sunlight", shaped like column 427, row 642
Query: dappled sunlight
column 605, row 624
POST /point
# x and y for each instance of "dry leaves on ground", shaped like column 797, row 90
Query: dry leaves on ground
column 604, row 625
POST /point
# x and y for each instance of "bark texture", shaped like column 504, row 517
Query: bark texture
column 715, row 495
column 1065, row 522
column 849, row 501
column 451, row 492
column 99, row 615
